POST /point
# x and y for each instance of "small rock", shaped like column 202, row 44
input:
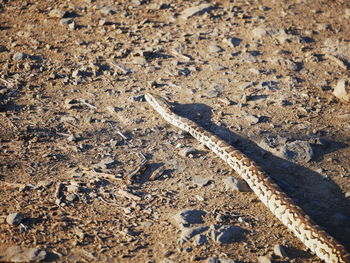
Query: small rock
column 138, row 60
column 107, row 163
column 217, row 67
column 187, row 151
column 212, row 94
column 14, row 218
column 298, row 151
column 72, row 25
column 138, row 98
column 66, row 21
column 57, row 13
column 71, row 197
column 252, row 119
column 22, row 254
column 279, row 251
column 260, row 32
column 79, row 232
column 189, row 233
column 214, row 49
column 188, row 217
column 73, row 188
column 44, row 184
column 220, row 260
column 200, row 181
column 225, row 101
column 108, row 10
column 18, row 56
column 189, row 12
column 232, row 183
column 226, row 234
column 254, row 71
column 77, row 73
column 341, row 91
column 264, row 259
column 72, row 138
column 233, row 42
column 245, row 85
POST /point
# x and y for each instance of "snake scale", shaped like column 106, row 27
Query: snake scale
column 316, row 239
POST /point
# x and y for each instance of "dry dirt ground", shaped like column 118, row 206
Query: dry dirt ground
column 79, row 146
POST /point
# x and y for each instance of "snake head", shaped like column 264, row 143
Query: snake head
column 157, row 101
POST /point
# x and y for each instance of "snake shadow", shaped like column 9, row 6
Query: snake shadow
column 320, row 198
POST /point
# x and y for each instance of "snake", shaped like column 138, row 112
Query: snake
column 283, row 207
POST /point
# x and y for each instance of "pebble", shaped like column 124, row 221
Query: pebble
column 73, row 188
column 214, row 49
column 14, row 218
column 279, row 251
column 138, row 98
column 252, row 119
column 77, row 73
column 72, row 138
column 220, row 260
column 44, row 184
column 200, row 181
column 226, row 234
column 107, row 163
column 341, row 90
column 264, row 259
column 225, row 101
column 108, row 10
column 245, row 85
column 188, row 217
column 139, row 60
column 189, row 12
column 233, row 42
column 57, row 13
column 18, row 56
column 72, row 25
column 212, row 94
column 66, row 21
column 232, row 183
column 71, row 197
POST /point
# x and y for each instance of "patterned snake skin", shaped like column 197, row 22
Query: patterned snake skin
column 316, row 239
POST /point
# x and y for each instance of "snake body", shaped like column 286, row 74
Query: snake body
column 316, row 239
